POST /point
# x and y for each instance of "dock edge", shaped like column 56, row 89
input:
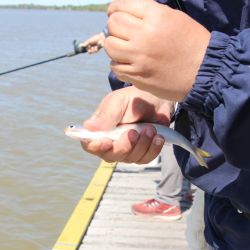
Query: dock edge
column 78, row 223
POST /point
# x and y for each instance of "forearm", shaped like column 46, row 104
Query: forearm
column 221, row 94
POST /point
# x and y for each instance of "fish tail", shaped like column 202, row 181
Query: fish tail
column 201, row 154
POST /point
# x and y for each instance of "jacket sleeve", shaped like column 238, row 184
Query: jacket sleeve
column 221, row 95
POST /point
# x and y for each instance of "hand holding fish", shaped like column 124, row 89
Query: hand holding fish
column 171, row 136
column 155, row 47
column 128, row 105
column 132, row 141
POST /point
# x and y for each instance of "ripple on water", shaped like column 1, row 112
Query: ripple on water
column 44, row 173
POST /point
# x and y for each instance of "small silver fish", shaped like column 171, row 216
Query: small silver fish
column 171, row 136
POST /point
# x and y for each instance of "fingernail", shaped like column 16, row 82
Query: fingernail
column 150, row 132
column 158, row 141
column 133, row 136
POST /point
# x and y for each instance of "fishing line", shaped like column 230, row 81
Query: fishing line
column 180, row 5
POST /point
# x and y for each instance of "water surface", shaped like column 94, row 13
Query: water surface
column 44, row 173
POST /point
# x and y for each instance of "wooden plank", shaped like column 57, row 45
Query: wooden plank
column 131, row 222
column 114, row 227
column 155, row 243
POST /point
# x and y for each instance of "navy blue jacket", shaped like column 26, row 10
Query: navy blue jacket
column 215, row 116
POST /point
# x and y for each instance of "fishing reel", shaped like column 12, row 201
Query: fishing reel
column 78, row 48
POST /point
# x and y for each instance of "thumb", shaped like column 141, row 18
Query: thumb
column 108, row 114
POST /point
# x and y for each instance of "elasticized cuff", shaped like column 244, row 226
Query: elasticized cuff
column 205, row 93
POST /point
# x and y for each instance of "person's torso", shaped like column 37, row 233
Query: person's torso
column 229, row 16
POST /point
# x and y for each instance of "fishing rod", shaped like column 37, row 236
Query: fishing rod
column 78, row 49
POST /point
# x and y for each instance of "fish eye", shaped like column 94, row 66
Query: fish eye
column 72, row 126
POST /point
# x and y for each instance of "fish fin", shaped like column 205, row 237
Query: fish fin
column 201, row 155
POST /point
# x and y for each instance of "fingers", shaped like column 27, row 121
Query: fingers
column 93, row 49
column 137, row 8
column 97, row 147
column 147, row 147
column 117, row 49
column 102, row 120
column 112, row 151
column 94, row 43
column 122, row 147
column 123, row 25
column 123, row 71
column 109, row 113
column 130, row 148
column 153, row 151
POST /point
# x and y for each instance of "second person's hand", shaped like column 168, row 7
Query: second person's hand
column 94, row 43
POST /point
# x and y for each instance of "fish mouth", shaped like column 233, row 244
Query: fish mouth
column 66, row 130
column 69, row 128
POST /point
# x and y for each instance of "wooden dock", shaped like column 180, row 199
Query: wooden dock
column 112, row 226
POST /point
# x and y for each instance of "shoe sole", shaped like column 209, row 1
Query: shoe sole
column 166, row 218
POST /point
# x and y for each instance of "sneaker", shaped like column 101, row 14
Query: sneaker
column 157, row 209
